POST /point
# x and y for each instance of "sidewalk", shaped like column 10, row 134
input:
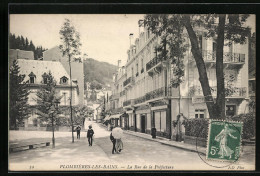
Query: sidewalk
column 246, row 149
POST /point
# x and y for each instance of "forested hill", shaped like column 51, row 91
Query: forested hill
column 99, row 72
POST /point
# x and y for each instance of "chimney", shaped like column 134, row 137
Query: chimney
column 119, row 63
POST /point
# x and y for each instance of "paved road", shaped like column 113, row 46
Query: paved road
column 137, row 152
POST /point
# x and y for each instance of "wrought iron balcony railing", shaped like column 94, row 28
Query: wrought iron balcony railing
column 122, row 93
column 129, row 81
column 128, row 102
column 140, row 100
column 161, row 92
column 228, row 57
column 153, row 62
column 229, row 91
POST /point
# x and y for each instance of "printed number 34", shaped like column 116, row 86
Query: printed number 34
column 213, row 150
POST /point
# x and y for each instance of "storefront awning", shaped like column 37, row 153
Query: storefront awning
column 116, row 116
column 106, row 118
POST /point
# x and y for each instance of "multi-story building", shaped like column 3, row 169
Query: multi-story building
column 149, row 101
column 251, row 70
column 35, row 71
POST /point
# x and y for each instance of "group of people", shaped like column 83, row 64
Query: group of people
column 90, row 134
column 117, row 142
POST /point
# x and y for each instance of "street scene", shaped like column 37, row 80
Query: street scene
column 134, row 92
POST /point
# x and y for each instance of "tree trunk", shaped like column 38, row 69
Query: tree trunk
column 203, row 78
column 220, row 102
column 71, row 101
column 53, row 139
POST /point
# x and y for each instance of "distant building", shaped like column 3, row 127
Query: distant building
column 20, row 54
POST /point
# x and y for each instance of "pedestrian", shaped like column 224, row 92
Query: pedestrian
column 113, row 140
column 90, row 135
column 78, row 131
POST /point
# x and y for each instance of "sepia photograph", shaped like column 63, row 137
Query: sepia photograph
column 132, row 92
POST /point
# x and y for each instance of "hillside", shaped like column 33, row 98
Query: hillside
column 101, row 72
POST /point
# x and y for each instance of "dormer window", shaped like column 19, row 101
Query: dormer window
column 64, row 80
column 45, row 78
column 32, row 77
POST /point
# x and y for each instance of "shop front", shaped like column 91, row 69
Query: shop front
column 161, row 119
column 143, row 120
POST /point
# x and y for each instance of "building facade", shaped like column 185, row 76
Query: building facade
column 34, row 71
column 77, row 68
column 143, row 93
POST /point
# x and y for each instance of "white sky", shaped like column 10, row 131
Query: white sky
column 104, row 37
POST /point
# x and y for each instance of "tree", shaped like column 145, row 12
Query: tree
column 70, row 48
column 171, row 29
column 47, row 99
column 18, row 97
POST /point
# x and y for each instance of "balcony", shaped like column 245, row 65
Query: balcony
column 233, row 92
column 129, row 82
column 128, row 103
column 115, row 96
column 117, row 110
column 158, row 93
column 140, row 100
column 122, row 93
column 229, row 59
column 154, row 65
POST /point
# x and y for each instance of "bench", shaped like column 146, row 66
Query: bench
column 16, row 148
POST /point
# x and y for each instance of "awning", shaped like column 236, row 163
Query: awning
column 116, row 116
column 107, row 118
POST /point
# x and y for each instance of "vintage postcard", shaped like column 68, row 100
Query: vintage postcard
column 131, row 92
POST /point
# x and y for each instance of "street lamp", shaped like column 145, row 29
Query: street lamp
column 56, row 106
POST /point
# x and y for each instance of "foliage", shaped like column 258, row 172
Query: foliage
column 46, row 98
column 199, row 127
column 173, row 30
column 70, row 38
column 18, row 97
column 95, row 85
column 23, row 44
column 196, row 127
column 98, row 72
column 249, row 124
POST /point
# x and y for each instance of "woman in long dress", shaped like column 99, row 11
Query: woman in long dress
column 222, row 138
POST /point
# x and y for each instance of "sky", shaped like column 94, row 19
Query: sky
column 104, row 37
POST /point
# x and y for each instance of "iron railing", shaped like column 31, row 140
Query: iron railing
column 154, row 62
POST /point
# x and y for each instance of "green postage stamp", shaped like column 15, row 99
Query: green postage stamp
column 224, row 140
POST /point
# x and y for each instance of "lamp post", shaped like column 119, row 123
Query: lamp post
column 56, row 105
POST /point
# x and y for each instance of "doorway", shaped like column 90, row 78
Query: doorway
column 142, row 123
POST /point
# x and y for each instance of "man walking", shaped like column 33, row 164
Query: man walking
column 90, row 135
column 113, row 140
column 78, row 131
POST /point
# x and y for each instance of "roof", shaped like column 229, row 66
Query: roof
column 38, row 68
